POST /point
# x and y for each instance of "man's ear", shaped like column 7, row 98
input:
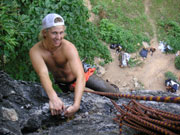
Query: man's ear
column 64, row 27
column 44, row 33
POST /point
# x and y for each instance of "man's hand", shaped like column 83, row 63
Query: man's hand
column 56, row 106
column 71, row 110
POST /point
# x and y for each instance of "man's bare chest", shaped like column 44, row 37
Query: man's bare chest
column 55, row 61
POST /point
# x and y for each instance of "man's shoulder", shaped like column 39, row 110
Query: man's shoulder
column 68, row 44
column 35, row 47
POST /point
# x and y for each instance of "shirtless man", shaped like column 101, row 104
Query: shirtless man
column 59, row 56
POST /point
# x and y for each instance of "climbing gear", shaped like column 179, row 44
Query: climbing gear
column 124, row 58
column 87, row 67
column 87, row 74
column 171, row 85
column 114, row 46
column 143, row 53
column 147, row 119
column 146, row 98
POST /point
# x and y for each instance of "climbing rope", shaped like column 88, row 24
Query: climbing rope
column 145, row 119
column 146, row 98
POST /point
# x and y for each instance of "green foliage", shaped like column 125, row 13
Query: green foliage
column 128, row 14
column 96, row 9
column 133, row 62
column 171, row 34
column 102, row 63
column 162, row 10
column 170, row 75
column 165, row 13
column 20, row 24
column 8, row 32
column 177, row 62
column 113, row 34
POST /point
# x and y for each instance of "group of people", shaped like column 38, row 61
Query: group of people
column 53, row 53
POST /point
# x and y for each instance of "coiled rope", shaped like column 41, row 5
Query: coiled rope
column 145, row 119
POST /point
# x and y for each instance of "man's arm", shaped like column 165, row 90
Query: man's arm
column 77, row 69
column 55, row 104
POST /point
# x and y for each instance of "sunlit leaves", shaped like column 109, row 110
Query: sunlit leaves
column 113, row 34
column 20, row 24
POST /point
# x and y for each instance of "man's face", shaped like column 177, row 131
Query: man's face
column 55, row 35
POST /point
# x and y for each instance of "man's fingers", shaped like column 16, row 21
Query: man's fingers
column 59, row 112
column 57, row 109
column 68, row 112
column 52, row 111
column 63, row 108
column 56, row 112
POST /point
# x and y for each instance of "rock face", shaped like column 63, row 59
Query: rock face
column 24, row 110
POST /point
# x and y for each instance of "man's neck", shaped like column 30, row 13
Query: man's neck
column 47, row 46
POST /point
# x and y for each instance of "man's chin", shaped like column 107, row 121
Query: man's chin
column 57, row 44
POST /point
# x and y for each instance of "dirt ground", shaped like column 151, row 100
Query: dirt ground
column 150, row 75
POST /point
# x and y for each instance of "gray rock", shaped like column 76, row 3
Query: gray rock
column 9, row 114
column 24, row 110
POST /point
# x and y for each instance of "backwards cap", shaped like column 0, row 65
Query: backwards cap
column 51, row 20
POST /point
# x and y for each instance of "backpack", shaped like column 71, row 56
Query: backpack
column 171, row 85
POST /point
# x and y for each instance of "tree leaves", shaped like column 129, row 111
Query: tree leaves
column 117, row 35
column 20, row 24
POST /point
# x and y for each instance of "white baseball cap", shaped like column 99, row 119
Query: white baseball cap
column 51, row 20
